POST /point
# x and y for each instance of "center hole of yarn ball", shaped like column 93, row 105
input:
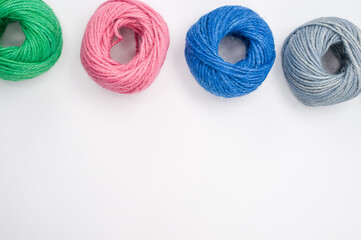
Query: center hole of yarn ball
column 13, row 35
column 124, row 51
column 334, row 59
column 232, row 49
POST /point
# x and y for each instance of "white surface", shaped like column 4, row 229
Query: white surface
column 174, row 162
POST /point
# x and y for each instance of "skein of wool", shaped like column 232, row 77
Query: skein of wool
column 43, row 39
column 302, row 56
column 102, row 33
column 217, row 76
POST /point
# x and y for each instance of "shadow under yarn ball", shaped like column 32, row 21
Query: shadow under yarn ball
column 316, row 79
column 219, row 74
column 13, row 36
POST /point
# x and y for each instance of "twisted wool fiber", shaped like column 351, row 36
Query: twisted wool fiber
column 302, row 61
column 217, row 76
column 43, row 39
column 152, row 41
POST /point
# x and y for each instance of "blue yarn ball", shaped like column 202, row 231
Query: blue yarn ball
column 217, row 76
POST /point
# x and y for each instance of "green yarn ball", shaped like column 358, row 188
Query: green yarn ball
column 43, row 39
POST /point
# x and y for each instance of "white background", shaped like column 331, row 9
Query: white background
column 175, row 162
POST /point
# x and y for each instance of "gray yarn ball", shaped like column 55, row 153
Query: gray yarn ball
column 302, row 55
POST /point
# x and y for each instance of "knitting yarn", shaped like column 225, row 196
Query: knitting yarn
column 43, row 39
column 217, row 76
column 102, row 33
column 302, row 56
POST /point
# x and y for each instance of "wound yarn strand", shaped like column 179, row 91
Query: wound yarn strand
column 302, row 61
column 217, row 76
column 102, row 33
column 43, row 39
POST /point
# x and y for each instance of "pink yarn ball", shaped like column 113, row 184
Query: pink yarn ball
column 152, row 42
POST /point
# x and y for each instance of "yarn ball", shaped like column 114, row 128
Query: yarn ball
column 102, row 33
column 217, row 76
column 302, row 56
column 43, row 39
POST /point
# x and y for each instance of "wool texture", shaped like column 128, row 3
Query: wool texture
column 43, row 39
column 302, row 61
column 102, row 33
column 217, row 76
